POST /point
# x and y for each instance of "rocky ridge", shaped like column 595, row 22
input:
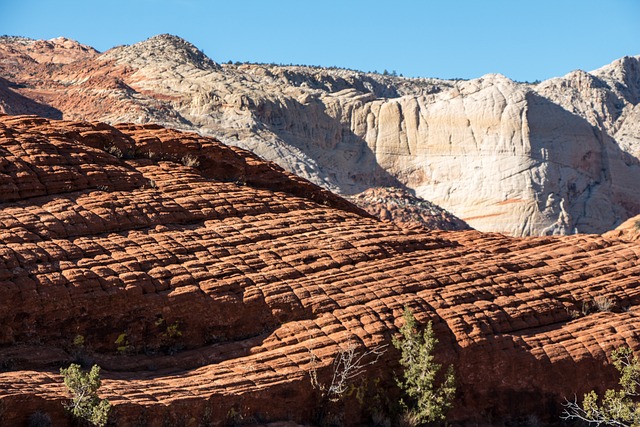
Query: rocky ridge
column 136, row 231
column 557, row 157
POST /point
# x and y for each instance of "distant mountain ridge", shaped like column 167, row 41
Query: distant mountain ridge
column 557, row 157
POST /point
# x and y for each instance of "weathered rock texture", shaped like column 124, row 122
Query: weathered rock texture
column 406, row 210
column 628, row 230
column 555, row 158
column 128, row 235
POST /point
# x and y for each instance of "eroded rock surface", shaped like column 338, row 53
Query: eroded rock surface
column 406, row 210
column 127, row 235
column 628, row 230
column 558, row 157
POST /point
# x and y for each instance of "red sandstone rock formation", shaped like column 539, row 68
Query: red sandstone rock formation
column 406, row 210
column 135, row 229
column 628, row 230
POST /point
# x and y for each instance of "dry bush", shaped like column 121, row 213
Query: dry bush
column 348, row 365
column 602, row 304
column 191, row 161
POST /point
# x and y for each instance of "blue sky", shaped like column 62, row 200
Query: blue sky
column 524, row 40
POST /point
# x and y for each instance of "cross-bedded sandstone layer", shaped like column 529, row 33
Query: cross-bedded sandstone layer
column 203, row 279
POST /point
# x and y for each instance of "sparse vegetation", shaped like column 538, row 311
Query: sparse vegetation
column 191, row 161
column 171, row 338
column 348, row 365
column 78, row 341
column 114, row 151
column 85, row 403
column 617, row 407
column 429, row 394
column 602, row 304
column 123, row 345
column 79, row 352
column 173, row 331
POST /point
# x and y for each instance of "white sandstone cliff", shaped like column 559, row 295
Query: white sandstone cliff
column 553, row 158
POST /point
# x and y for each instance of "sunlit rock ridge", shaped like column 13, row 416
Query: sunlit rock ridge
column 558, row 157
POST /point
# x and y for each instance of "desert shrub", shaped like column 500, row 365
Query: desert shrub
column 114, row 151
column 191, row 161
column 170, row 335
column 85, row 403
column 409, row 418
column 602, row 304
column 616, row 407
column 348, row 365
column 122, row 344
column 429, row 394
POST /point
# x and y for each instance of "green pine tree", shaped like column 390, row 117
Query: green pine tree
column 85, row 403
column 429, row 399
column 617, row 407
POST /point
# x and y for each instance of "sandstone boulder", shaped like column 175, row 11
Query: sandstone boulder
column 628, row 230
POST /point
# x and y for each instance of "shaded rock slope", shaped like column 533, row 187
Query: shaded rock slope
column 558, row 157
column 126, row 235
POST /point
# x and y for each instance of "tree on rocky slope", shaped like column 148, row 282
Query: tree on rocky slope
column 85, row 403
column 617, row 407
column 429, row 395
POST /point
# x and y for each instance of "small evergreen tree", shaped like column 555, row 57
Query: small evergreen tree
column 430, row 399
column 617, row 407
column 85, row 403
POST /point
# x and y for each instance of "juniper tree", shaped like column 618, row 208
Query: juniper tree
column 430, row 396
column 85, row 403
column 617, row 407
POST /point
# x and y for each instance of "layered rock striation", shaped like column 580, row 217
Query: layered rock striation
column 207, row 282
column 558, row 157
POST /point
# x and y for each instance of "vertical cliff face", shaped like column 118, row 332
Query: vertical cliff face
column 503, row 156
column 553, row 158
column 511, row 157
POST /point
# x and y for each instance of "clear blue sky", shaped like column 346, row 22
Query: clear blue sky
column 522, row 39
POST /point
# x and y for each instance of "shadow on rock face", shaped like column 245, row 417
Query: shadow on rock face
column 585, row 183
column 12, row 102
column 343, row 159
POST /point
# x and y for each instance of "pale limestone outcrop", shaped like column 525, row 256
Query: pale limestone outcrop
column 554, row 158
